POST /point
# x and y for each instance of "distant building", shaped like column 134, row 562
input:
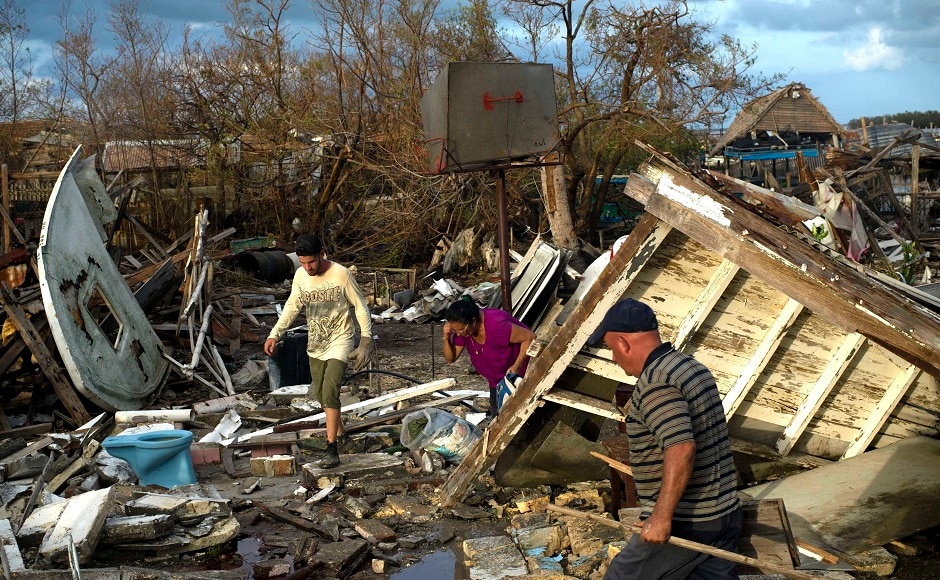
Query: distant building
column 765, row 137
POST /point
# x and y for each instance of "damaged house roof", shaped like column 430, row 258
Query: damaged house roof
column 881, row 136
column 812, row 354
column 790, row 109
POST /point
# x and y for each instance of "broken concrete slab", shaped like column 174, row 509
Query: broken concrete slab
column 359, row 465
column 375, row 532
column 338, row 558
column 493, row 558
column 82, row 520
column 219, row 531
column 864, row 502
column 566, row 453
column 155, row 504
column 120, row 530
column 587, row 537
column 40, row 521
column 10, row 555
column 410, row 507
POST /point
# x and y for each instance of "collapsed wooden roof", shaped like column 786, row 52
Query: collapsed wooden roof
column 810, row 352
column 792, row 108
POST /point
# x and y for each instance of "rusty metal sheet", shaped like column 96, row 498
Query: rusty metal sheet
column 108, row 346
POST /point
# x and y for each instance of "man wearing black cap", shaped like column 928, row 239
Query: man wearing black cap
column 679, row 451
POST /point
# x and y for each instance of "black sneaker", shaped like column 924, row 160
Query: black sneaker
column 331, row 459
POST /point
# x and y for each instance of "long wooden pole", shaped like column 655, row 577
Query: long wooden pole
column 687, row 544
column 5, row 186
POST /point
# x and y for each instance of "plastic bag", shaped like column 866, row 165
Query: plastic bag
column 439, row 431
column 506, row 387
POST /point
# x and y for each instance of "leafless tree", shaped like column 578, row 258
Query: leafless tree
column 21, row 94
column 627, row 72
column 81, row 68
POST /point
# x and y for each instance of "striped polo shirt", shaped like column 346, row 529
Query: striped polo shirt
column 676, row 400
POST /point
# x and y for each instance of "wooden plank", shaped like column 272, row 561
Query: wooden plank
column 14, row 351
column 374, row 403
column 830, row 288
column 584, row 403
column 33, row 447
column 761, row 356
column 882, row 411
column 817, row 395
column 601, row 366
column 235, row 343
column 26, row 431
column 705, row 302
column 47, row 363
column 552, row 361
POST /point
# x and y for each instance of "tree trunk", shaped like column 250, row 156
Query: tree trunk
column 556, row 202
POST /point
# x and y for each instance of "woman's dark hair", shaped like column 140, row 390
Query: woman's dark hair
column 464, row 311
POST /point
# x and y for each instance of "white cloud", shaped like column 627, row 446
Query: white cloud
column 874, row 54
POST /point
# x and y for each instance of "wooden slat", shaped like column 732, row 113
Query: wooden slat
column 704, row 303
column 63, row 388
column 829, row 287
column 765, row 350
column 584, row 403
column 817, row 395
column 882, row 411
column 546, row 369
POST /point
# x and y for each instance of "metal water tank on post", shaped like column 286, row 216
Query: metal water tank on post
column 478, row 115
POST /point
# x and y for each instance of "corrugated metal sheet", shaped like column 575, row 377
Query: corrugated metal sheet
column 881, row 136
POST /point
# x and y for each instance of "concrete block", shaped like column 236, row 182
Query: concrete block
column 493, row 557
column 10, row 555
column 205, row 453
column 409, row 507
column 120, row 530
column 374, row 531
column 587, row 537
column 339, row 557
column 533, row 504
column 155, row 504
column 358, row 507
column 877, row 561
column 271, row 568
column 582, row 566
column 581, row 500
column 40, row 522
column 545, row 567
column 546, row 541
column 83, row 518
column 272, row 466
column 530, row 520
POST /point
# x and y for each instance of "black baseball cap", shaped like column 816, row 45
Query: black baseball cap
column 625, row 316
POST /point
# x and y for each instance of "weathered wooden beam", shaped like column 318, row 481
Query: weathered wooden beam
column 50, row 368
column 829, row 287
column 882, row 411
column 585, row 403
column 545, row 369
column 817, row 395
column 706, row 300
column 761, row 356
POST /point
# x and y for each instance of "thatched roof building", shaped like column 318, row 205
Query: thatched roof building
column 788, row 118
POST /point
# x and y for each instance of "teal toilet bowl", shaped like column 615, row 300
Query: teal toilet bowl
column 157, row 457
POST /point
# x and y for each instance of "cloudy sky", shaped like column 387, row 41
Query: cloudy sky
column 859, row 57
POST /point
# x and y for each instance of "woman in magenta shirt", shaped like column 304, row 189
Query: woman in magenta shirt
column 495, row 341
